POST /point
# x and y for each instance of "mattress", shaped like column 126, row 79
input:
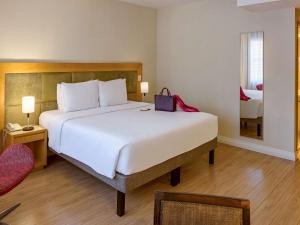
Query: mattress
column 253, row 108
column 125, row 138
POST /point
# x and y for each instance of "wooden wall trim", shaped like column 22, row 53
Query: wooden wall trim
column 297, row 23
column 39, row 67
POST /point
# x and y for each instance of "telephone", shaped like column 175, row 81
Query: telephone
column 13, row 127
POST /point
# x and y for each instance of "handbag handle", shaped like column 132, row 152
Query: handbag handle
column 168, row 91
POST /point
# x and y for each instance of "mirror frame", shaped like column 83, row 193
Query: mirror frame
column 263, row 120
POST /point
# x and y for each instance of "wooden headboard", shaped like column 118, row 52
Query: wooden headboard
column 19, row 79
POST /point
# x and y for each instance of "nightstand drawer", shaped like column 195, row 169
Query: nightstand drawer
column 27, row 139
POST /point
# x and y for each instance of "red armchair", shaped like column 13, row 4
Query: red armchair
column 16, row 162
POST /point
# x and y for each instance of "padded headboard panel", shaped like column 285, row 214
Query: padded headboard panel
column 43, row 87
column 41, row 79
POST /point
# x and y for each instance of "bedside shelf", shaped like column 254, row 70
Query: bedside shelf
column 36, row 140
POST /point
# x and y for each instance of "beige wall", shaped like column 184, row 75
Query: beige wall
column 79, row 30
column 199, row 58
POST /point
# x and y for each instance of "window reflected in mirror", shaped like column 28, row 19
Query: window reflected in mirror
column 252, row 85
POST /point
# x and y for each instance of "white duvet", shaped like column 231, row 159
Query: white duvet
column 253, row 108
column 125, row 139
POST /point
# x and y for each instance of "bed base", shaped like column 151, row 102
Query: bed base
column 211, row 159
column 120, row 203
column 258, row 121
column 125, row 183
column 175, row 180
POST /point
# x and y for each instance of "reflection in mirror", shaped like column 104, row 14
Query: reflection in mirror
column 252, row 85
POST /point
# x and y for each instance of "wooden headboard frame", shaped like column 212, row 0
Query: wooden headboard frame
column 30, row 67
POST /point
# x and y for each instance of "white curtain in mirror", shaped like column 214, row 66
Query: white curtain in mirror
column 252, row 60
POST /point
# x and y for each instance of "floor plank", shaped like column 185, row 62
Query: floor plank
column 64, row 195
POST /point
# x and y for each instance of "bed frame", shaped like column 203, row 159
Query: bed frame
column 125, row 183
column 18, row 79
column 258, row 121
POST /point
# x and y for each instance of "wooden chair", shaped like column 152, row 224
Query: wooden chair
column 195, row 209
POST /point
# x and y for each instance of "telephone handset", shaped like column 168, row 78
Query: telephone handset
column 13, row 127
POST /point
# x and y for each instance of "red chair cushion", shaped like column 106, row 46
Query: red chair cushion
column 16, row 162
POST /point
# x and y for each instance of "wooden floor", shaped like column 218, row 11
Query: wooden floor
column 64, row 195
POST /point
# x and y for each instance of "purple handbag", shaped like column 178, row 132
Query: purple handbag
column 165, row 102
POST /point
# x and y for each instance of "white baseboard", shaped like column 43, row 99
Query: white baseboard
column 257, row 148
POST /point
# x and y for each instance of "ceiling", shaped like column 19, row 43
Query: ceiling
column 254, row 5
column 264, row 5
column 156, row 3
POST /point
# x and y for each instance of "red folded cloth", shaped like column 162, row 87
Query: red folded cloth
column 243, row 97
column 260, row 87
column 183, row 106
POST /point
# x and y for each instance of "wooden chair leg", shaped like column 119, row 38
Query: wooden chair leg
column 8, row 211
column 212, row 157
column 175, row 177
column 120, row 203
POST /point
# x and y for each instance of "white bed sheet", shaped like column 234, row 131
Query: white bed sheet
column 253, row 108
column 124, row 139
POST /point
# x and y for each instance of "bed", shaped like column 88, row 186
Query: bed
column 120, row 145
column 252, row 110
column 123, row 141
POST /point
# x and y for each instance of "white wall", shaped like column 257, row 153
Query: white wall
column 79, row 30
column 199, row 58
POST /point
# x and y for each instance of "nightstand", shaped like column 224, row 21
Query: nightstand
column 36, row 140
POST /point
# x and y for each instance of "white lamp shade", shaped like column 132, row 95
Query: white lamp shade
column 28, row 103
column 144, row 87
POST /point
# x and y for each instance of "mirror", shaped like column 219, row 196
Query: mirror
column 252, row 85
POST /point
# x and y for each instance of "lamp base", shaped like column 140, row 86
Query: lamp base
column 27, row 128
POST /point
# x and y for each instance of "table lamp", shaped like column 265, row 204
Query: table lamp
column 28, row 103
column 144, row 88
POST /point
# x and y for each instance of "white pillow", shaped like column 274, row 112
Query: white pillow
column 59, row 98
column 112, row 92
column 79, row 96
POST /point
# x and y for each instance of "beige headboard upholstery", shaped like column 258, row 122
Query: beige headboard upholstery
column 41, row 79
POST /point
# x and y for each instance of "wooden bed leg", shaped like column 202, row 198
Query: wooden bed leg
column 120, row 203
column 175, row 176
column 258, row 130
column 211, row 157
